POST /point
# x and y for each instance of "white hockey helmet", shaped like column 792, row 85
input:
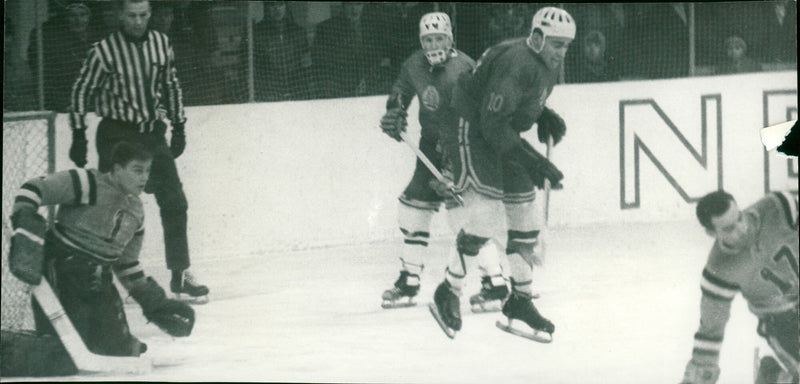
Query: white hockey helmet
column 436, row 23
column 555, row 22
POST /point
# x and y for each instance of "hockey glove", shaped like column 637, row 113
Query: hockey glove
column 172, row 316
column 550, row 124
column 77, row 152
column 27, row 246
column 443, row 189
column 539, row 167
column 178, row 142
column 700, row 373
column 394, row 122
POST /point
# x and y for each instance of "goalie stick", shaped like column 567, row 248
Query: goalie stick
column 438, row 175
column 84, row 360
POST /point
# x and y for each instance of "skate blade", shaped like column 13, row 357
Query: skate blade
column 487, row 307
column 388, row 304
column 450, row 332
column 188, row 299
column 535, row 336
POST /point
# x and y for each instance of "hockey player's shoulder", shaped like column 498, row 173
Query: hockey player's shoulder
column 786, row 205
column 462, row 58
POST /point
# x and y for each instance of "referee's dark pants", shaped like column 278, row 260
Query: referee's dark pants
column 164, row 182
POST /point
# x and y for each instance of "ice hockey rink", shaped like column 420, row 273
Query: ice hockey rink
column 292, row 224
column 624, row 299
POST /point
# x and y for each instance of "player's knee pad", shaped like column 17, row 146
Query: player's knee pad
column 470, row 245
column 522, row 243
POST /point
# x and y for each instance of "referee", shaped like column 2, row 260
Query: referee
column 129, row 79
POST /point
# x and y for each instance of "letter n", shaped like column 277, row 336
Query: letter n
column 645, row 129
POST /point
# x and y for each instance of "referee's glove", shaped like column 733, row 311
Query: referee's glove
column 178, row 142
column 77, row 152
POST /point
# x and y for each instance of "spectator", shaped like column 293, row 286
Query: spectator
column 778, row 38
column 470, row 19
column 104, row 20
column 768, row 27
column 65, row 42
column 736, row 59
column 228, row 83
column 611, row 21
column 660, row 41
column 339, row 54
column 593, row 65
column 507, row 21
column 398, row 28
column 282, row 56
column 162, row 17
column 189, row 28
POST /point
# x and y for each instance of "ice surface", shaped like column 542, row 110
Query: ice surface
column 624, row 299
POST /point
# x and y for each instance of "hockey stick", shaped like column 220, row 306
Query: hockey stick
column 547, row 182
column 84, row 359
column 438, row 175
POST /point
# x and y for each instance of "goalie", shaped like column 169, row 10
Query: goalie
column 98, row 230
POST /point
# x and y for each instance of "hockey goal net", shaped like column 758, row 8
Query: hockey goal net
column 28, row 151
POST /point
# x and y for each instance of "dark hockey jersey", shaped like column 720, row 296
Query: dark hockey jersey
column 505, row 94
column 766, row 273
column 432, row 85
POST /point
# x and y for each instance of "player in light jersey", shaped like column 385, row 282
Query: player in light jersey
column 429, row 74
column 496, row 170
column 755, row 254
column 99, row 228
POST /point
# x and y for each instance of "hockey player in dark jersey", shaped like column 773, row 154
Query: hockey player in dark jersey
column 98, row 230
column 496, row 170
column 755, row 254
column 429, row 74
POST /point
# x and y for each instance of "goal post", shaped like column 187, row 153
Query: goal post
column 28, row 152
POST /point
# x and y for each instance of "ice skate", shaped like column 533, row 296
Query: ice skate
column 490, row 298
column 186, row 289
column 446, row 309
column 529, row 323
column 402, row 294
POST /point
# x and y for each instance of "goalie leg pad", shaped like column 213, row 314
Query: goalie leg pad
column 93, row 305
column 28, row 354
column 26, row 254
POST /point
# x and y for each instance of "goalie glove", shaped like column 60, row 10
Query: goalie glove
column 173, row 317
column 394, row 122
column 700, row 373
column 550, row 124
column 539, row 167
column 26, row 255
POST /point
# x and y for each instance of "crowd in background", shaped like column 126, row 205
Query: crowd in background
column 355, row 49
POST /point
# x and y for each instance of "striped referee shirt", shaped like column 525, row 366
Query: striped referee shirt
column 129, row 79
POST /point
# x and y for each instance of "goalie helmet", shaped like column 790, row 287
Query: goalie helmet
column 554, row 22
column 436, row 23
